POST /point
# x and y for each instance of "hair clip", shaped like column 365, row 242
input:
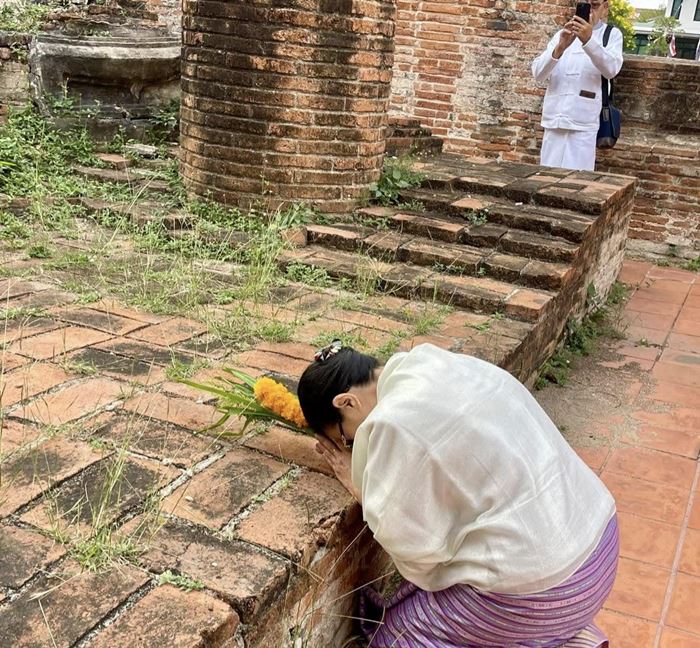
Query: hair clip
column 326, row 352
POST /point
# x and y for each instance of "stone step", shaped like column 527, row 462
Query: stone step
column 517, row 215
column 477, row 233
column 480, row 294
column 130, row 177
column 584, row 192
column 140, row 213
column 451, row 258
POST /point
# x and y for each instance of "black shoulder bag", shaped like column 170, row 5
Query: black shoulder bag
column 610, row 117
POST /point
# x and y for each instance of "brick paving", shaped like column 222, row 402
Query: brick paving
column 243, row 516
column 644, row 441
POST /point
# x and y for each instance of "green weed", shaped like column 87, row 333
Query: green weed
column 182, row 581
column 580, row 337
column 396, row 176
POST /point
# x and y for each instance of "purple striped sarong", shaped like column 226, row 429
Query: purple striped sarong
column 464, row 617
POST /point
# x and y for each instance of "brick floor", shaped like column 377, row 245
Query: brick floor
column 652, row 467
column 242, row 510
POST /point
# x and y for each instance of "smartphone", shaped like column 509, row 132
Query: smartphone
column 583, row 10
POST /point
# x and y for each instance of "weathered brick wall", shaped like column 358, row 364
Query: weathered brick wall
column 659, row 94
column 463, row 69
column 660, row 145
column 168, row 13
column 288, row 102
column 14, row 71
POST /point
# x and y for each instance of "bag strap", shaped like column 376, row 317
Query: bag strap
column 607, row 86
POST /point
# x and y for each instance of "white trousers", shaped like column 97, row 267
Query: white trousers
column 568, row 149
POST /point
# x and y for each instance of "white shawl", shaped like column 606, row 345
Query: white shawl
column 465, row 479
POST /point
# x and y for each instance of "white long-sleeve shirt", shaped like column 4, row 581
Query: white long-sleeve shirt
column 579, row 69
column 465, row 479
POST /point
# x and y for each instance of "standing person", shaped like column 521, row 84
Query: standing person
column 572, row 64
column 505, row 538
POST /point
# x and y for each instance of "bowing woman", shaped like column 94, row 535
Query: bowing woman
column 503, row 536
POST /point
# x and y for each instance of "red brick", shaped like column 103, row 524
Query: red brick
column 526, row 304
column 671, row 392
column 66, row 612
column 683, row 613
column 647, row 540
column 273, row 362
column 214, row 496
column 239, row 572
column 10, row 361
column 639, row 589
column 185, row 413
column 688, row 322
column 286, row 523
column 299, row 449
column 687, row 343
column 15, row 434
column 101, row 321
column 24, row 553
column 625, row 631
column 293, row 350
column 113, row 307
column 671, row 638
column 647, row 499
column 194, row 619
column 653, row 466
column 73, row 402
column 27, row 477
column 661, row 322
column 58, row 342
column 641, row 305
column 152, row 438
column 73, row 506
column 170, row 332
column 29, row 381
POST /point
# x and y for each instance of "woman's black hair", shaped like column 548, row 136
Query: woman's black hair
column 328, row 376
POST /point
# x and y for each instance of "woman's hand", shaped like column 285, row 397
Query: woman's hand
column 565, row 39
column 340, row 460
column 581, row 28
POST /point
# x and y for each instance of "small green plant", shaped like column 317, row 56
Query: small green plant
column 309, row 275
column 478, row 216
column 181, row 581
column 101, row 550
column 23, row 312
column 166, row 120
column 39, row 251
column 178, row 370
column 272, row 331
column 397, row 175
column 693, row 265
column 412, row 205
column 12, row 228
column 580, row 336
column 80, row 368
column 24, row 16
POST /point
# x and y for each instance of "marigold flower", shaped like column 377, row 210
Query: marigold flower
column 279, row 400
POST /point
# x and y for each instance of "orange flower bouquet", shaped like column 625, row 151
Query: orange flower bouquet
column 261, row 399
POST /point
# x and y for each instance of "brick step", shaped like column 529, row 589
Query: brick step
column 584, row 192
column 564, row 224
column 451, row 229
column 480, row 294
column 451, row 258
column 134, row 177
column 140, row 213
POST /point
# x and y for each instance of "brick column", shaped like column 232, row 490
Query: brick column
column 285, row 101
